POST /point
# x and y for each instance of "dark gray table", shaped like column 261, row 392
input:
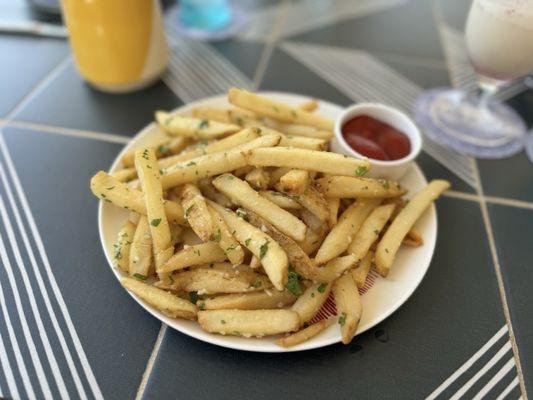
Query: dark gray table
column 67, row 328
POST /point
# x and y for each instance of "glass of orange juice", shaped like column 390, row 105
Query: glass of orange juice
column 119, row 46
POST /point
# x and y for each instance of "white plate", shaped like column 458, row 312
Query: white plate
column 380, row 301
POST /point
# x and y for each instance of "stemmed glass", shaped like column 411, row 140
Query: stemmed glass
column 499, row 40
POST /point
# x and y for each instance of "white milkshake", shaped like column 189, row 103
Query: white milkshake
column 499, row 37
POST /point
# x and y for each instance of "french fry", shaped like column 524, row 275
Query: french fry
column 226, row 115
column 304, row 131
column 196, row 212
column 294, row 182
column 140, row 260
column 210, row 281
column 302, row 142
column 175, row 234
column 249, row 301
column 276, row 174
column 199, row 254
column 272, row 256
column 125, row 175
column 349, row 187
column 335, row 268
column 392, row 239
column 225, row 239
column 209, row 192
column 162, row 148
column 413, row 238
column 342, row 234
column 348, row 305
column 168, row 303
column 107, row 188
column 213, row 164
column 360, row 273
column 315, row 234
column 241, row 193
column 315, row 202
column 258, row 178
column 297, row 257
column 305, row 334
column 255, row 262
column 121, row 249
column 280, row 199
column 278, row 111
column 370, row 230
column 333, row 210
column 311, row 301
column 149, row 177
column 309, row 106
column 177, row 125
column 248, row 323
column 310, row 160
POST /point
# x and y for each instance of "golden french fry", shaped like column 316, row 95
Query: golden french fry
column 309, row 106
column 212, row 114
column 413, row 238
column 280, row 199
column 335, row 268
column 213, row 164
column 225, row 239
column 125, row 175
column 140, row 261
column 248, row 322
column 241, row 193
column 272, row 256
column 162, row 148
column 209, row 192
column 196, row 212
column 121, row 249
column 199, row 254
column 107, row 188
column 304, row 131
column 258, row 178
column 249, row 301
column 315, row 234
column 193, row 127
column 392, row 239
column 349, row 187
column 205, row 280
column 348, row 305
column 149, row 177
column 294, row 182
column 310, row 160
column 333, row 208
column 315, row 202
column 278, row 111
column 166, row 302
column 360, row 273
column 302, row 142
column 311, row 301
column 305, row 334
column 342, row 234
column 297, row 257
column 255, row 262
column 370, row 230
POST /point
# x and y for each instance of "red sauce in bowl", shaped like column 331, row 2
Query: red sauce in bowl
column 375, row 139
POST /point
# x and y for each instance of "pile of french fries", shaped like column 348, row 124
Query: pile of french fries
column 241, row 219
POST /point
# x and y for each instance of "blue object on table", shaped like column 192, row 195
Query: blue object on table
column 206, row 15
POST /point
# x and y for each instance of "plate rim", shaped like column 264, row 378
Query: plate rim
column 218, row 340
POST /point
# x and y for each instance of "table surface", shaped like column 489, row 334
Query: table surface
column 69, row 330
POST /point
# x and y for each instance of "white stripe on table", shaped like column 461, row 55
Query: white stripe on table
column 49, row 273
column 503, row 350
column 508, row 389
column 42, row 287
column 463, row 368
column 20, row 309
column 509, row 365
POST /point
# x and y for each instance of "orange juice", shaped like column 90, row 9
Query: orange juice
column 118, row 45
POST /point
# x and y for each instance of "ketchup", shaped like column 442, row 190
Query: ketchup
column 375, row 139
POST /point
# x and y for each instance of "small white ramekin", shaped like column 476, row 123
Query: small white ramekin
column 395, row 169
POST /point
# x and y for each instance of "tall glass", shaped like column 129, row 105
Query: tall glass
column 499, row 40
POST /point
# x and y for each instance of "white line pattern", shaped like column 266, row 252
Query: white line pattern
column 49, row 273
column 362, row 77
column 508, row 389
column 509, row 365
column 42, row 287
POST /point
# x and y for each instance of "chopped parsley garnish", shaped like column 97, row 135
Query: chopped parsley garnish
column 294, row 114
column 168, row 121
column 292, row 282
column 247, row 242
column 342, row 319
column 222, row 321
column 242, row 214
column 276, row 109
column 188, row 210
column 190, row 163
column 110, row 188
column 263, row 250
column 155, row 222
column 140, row 276
column 387, row 251
column 231, row 248
column 202, row 306
column 193, row 297
column 322, row 287
column 163, row 149
column 257, row 284
column 361, row 171
column 258, row 131
column 217, row 236
column 376, row 232
column 203, row 124
column 385, row 184
column 239, row 121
